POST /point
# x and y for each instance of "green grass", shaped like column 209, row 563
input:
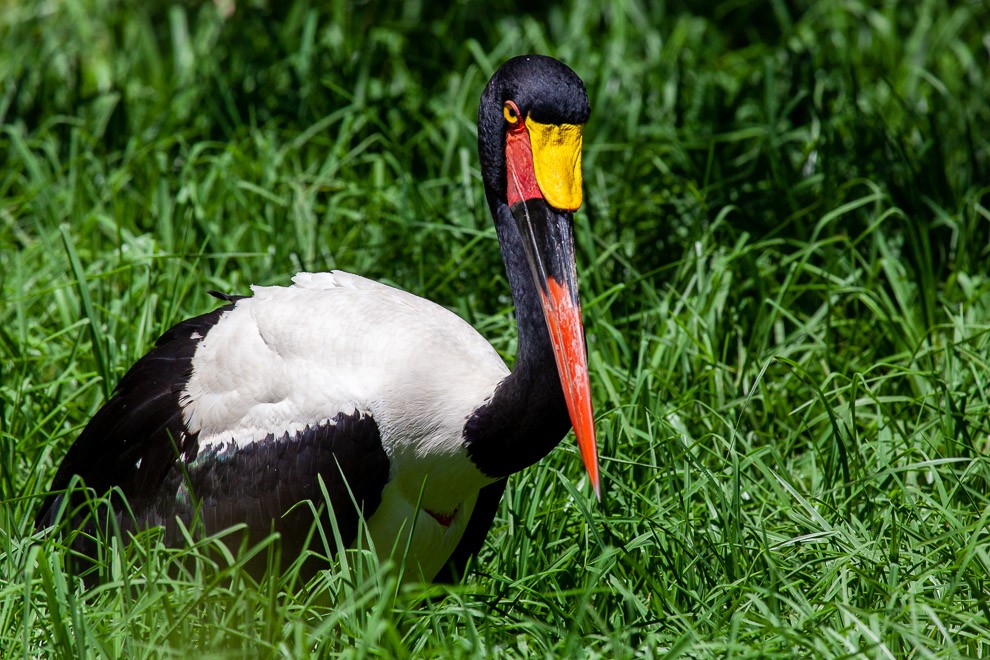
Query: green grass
column 784, row 257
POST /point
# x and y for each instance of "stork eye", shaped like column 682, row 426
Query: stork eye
column 511, row 112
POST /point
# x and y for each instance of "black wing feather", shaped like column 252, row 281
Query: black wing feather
column 138, row 443
column 141, row 418
column 261, row 483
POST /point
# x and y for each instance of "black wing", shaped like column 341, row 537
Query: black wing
column 266, row 484
column 134, row 439
column 138, row 443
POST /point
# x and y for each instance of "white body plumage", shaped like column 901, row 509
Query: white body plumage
column 291, row 357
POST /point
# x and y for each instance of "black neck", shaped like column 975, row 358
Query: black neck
column 527, row 416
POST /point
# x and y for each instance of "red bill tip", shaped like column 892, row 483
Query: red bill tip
column 563, row 318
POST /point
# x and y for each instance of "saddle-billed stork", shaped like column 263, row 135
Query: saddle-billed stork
column 407, row 415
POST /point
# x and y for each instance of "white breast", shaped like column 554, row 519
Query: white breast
column 431, row 544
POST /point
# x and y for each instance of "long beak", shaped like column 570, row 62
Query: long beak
column 548, row 237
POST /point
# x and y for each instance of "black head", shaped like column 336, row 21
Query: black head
column 544, row 89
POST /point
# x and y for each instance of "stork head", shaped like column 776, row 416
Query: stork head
column 530, row 124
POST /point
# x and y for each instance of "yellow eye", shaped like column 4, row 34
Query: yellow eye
column 511, row 112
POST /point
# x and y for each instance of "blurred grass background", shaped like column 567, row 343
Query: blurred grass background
column 784, row 257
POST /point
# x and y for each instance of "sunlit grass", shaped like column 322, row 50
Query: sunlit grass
column 783, row 256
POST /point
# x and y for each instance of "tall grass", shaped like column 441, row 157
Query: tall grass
column 783, row 254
